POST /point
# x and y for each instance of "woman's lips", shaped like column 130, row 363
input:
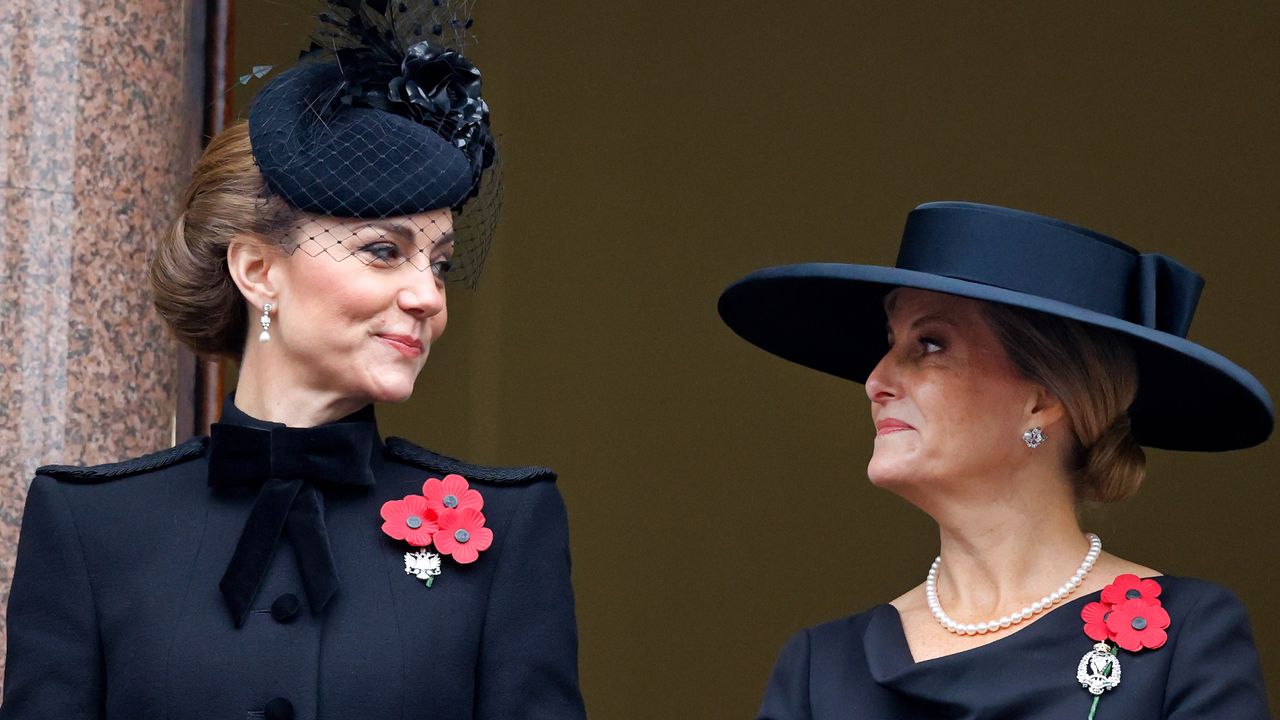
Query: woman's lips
column 891, row 425
column 410, row 347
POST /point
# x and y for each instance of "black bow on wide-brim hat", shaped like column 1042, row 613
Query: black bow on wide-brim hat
column 830, row 316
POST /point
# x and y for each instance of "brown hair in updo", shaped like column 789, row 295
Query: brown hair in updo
column 192, row 287
column 1094, row 375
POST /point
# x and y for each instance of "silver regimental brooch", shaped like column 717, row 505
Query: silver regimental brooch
column 1099, row 670
column 423, row 565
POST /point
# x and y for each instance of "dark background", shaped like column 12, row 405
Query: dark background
column 657, row 151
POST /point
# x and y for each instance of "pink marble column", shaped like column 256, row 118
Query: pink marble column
column 100, row 117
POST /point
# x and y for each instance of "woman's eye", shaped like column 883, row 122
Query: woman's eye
column 441, row 268
column 384, row 253
column 929, row 346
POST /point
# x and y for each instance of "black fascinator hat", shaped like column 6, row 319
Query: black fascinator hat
column 830, row 316
column 383, row 118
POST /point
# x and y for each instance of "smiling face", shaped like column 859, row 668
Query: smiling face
column 359, row 303
column 948, row 405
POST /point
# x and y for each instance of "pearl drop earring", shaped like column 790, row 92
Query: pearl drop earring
column 265, row 320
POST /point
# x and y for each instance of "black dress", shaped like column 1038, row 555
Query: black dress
column 860, row 668
column 119, row 607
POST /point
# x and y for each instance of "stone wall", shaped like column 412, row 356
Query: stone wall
column 100, row 118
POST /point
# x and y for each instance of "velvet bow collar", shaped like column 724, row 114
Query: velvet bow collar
column 291, row 467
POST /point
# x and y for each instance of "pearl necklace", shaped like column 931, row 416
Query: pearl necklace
column 1035, row 608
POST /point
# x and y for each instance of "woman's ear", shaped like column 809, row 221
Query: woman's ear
column 1044, row 409
column 250, row 262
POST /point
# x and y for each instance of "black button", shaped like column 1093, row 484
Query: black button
column 278, row 709
column 285, row 608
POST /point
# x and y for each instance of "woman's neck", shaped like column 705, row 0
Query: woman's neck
column 280, row 398
column 999, row 555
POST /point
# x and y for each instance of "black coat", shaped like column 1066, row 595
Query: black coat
column 861, row 668
column 115, row 610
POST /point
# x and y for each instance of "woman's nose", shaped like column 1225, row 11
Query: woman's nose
column 424, row 297
column 882, row 383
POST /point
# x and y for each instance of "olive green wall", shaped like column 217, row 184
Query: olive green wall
column 656, row 151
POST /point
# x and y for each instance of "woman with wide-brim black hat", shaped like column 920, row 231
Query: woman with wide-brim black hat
column 1016, row 365
column 294, row 564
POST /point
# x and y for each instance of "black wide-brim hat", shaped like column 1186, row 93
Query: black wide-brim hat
column 830, row 316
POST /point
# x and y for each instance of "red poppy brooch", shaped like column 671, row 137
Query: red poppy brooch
column 1128, row 616
column 447, row 515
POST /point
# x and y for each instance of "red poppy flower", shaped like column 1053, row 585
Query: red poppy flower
column 1131, row 587
column 1095, row 621
column 463, row 535
column 410, row 520
column 451, row 494
column 1135, row 624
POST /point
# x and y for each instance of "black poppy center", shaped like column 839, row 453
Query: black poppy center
column 1139, row 623
column 413, row 521
column 461, row 535
column 1133, row 594
column 450, row 501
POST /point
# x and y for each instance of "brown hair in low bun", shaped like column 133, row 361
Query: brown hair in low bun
column 191, row 286
column 1114, row 465
column 1094, row 375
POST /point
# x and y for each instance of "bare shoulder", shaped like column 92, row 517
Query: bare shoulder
column 1108, row 567
column 911, row 602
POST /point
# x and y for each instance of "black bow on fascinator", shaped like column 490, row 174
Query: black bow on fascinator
column 289, row 466
column 383, row 117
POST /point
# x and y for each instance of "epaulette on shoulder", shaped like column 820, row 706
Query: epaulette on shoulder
column 182, row 452
column 435, row 462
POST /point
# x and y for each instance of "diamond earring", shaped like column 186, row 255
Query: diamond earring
column 265, row 320
column 1034, row 437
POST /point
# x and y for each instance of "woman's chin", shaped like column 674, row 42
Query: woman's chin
column 395, row 399
column 392, row 390
column 888, row 472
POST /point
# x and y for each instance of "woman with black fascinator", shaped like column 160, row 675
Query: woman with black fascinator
column 1015, row 367
column 294, row 564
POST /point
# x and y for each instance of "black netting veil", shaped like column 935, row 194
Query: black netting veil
column 381, row 137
